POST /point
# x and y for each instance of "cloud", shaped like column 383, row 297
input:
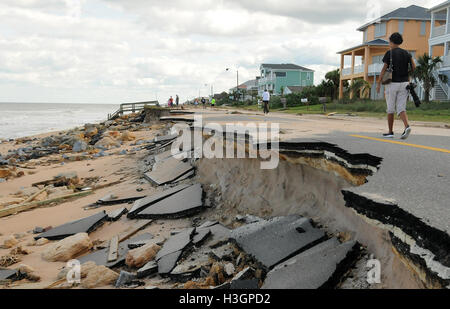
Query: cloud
column 115, row 51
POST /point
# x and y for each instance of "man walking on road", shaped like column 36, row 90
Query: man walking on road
column 204, row 103
column 399, row 61
column 266, row 99
column 177, row 100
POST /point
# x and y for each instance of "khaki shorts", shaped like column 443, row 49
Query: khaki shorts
column 396, row 97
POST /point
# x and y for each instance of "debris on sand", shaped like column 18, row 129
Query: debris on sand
column 68, row 248
column 85, row 225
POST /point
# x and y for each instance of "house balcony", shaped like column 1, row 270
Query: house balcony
column 266, row 80
column 439, row 31
column 359, row 69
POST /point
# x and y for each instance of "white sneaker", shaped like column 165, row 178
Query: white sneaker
column 407, row 132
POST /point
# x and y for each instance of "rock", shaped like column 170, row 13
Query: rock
column 31, row 243
column 85, row 269
column 106, row 143
column 125, row 278
column 5, row 173
column 229, row 269
column 127, row 136
column 141, row 256
column 42, row 241
column 79, row 146
column 26, row 192
column 20, row 235
column 68, row 248
column 25, row 269
column 90, row 130
column 99, row 276
column 10, row 242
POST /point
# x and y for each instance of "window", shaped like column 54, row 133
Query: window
column 280, row 74
column 423, row 28
column 401, row 26
column 365, row 35
column 380, row 30
column 377, row 59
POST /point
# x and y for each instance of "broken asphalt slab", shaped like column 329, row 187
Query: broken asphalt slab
column 319, row 267
column 117, row 214
column 184, row 203
column 274, row 241
column 8, row 274
column 149, row 269
column 140, row 205
column 85, row 225
column 172, row 250
column 168, row 171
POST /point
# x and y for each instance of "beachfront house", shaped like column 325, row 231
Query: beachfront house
column 248, row 90
column 276, row 77
column 364, row 61
column 440, row 37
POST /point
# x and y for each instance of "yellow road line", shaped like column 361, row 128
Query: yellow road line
column 402, row 143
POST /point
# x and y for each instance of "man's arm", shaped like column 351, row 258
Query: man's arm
column 381, row 77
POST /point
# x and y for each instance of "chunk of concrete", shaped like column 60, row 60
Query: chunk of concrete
column 167, row 263
column 274, row 241
column 68, row 248
column 181, row 204
column 141, row 204
column 201, row 236
column 176, row 243
column 125, row 278
column 8, row 274
column 99, row 276
column 147, row 270
column 140, row 241
column 168, row 171
column 223, row 253
column 142, row 255
column 117, row 214
column 85, row 225
column 191, row 266
column 318, row 267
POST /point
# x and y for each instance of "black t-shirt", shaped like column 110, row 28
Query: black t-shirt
column 401, row 60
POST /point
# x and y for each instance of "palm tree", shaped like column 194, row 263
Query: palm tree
column 361, row 86
column 426, row 65
column 333, row 78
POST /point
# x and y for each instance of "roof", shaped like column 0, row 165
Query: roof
column 295, row 88
column 285, row 66
column 413, row 12
column 376, row 42
column 440, row 6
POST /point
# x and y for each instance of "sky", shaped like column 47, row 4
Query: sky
column 120, row 51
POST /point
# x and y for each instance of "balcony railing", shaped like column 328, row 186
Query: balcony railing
column 375, row 68
column 348, row 71
column 445, row 61
column 438, row 31
column 359, row 69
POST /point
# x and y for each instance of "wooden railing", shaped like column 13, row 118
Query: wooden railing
column 130, row 108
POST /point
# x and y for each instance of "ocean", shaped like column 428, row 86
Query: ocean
column 25, row 119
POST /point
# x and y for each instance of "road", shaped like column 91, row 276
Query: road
column 414, row 174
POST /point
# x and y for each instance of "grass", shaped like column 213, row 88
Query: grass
column 433, row 111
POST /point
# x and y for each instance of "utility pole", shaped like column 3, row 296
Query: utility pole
column 237, row 84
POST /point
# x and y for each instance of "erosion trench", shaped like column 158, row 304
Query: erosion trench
column 311, row 181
